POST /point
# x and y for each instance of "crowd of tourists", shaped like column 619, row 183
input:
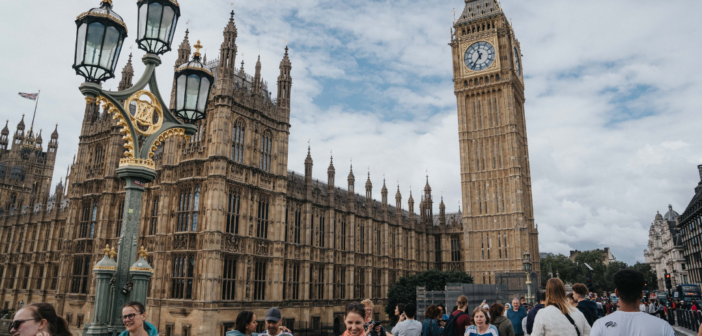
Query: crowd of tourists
column 555, row 314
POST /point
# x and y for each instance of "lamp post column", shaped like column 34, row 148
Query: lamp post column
column 135, row 178
column 528, row 283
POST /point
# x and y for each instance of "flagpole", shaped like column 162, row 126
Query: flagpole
column 35, row 109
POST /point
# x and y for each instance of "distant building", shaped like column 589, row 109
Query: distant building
column 607, row 255
column 665, row 250
column 689, row 225
column 544, row 255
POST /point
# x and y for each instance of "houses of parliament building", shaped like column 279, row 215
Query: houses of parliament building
column 229, row 228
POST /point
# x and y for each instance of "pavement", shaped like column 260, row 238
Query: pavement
column 683, row 331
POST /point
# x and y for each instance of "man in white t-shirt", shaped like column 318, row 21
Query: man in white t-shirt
column 628, row 320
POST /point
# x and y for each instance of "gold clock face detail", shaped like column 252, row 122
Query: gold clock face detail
column 479, row 56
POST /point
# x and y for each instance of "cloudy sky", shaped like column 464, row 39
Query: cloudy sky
column 613, row 96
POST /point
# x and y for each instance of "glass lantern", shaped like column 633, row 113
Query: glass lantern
column 193, row 83
column 99, row 39
column 527, row 262
column 157, row 23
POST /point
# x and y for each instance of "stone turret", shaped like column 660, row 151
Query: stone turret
column 4, row 135
column 384, row 193
column 442, row 212
column 369, row 190
column 284, row 86
column 127, row 75
column 398, row 201
column 19, row 134
column 257, row 77
column 331, row 172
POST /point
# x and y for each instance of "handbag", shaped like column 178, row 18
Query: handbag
column 570, row 319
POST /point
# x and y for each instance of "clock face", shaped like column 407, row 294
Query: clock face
column 517, row 62
column 480, row 56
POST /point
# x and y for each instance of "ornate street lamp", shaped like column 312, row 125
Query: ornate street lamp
column 98, row 42
column 145, row 122
column 157, row 23
column 527, row 269
column 193, row 82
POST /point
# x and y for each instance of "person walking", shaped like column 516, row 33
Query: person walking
column 559, row 318
column 430, row 327
column 541, row 296
column 354, row 319
column 38, row 319
column 482, row 326
column 652, row 308
column 459, row 318
column 584, row 305
column 134, row 319
column 408, row 326
column 244, row 325
column 628, row 320
column 503, row 324
column 516, row 315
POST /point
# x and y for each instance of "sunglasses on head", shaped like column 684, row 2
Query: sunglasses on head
column 16, row 324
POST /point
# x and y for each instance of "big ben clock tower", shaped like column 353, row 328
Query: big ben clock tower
column 488, row 81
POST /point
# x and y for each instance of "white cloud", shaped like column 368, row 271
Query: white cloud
column 612, row 96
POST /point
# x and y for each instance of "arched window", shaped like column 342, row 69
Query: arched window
column 93, row 217
column 238, row 142
column 266, row 146
column 188, row 207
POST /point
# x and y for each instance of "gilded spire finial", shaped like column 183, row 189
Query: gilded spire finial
column 113, row 253
column 143, row 253
column 107, row 250
column 197, row 47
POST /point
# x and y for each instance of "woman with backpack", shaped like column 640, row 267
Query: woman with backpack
column 459, row 320
column 502, row 323
column 559, row 318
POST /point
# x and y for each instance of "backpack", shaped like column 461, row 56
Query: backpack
column 450, row 327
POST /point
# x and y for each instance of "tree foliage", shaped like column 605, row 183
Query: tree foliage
column 601, row 275
column 405, row 289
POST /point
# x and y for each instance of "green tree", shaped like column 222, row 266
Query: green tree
column 557, row 264
column 405, row 289
column 649, row 275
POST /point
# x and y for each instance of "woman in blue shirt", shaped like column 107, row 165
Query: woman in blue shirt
column 482, row 326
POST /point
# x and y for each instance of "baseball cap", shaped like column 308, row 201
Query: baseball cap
column 273, row 314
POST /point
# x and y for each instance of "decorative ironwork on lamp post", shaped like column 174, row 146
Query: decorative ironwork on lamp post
column 527, row 269
column 145, row 123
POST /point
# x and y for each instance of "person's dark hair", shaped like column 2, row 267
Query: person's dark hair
column 138, row 306
column 541, row 295
column 522, row 298
column 496, row 309
column 243, row 319
column 454, row 309
column 43, row 311
column 443, row 309
column 432, row 312
column 358, row 308
column 410, row 310
column 401, row 308
column 570, row 296
column 629, row 284
column 581, row 290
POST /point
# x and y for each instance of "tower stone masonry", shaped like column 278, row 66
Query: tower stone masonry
column 228, row 227
column 498, row 216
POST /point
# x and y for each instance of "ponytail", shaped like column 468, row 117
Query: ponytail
column 57, row 325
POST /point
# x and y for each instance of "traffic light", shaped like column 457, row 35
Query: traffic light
column 668, row 283
column 588, row 283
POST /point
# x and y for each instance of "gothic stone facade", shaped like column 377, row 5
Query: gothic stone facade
column 229, row 228
column 665, row 249
column 495, row 176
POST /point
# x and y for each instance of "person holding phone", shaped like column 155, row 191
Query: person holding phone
column 408, row 326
